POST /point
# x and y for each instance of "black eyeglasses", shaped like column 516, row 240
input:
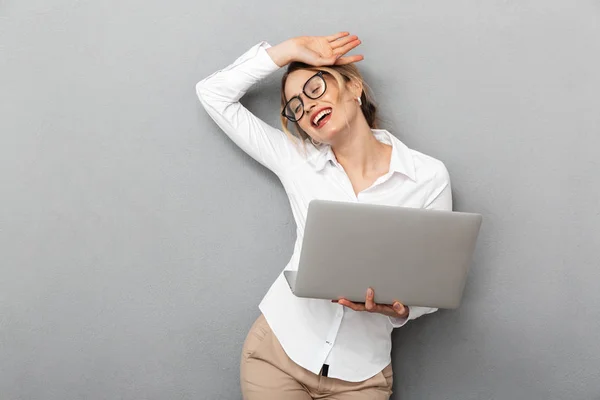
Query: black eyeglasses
column 314, row 88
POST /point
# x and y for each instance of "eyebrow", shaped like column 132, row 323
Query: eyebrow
column 305, row 82
column 298, row 94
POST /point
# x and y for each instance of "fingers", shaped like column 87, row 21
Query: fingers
column 351, row 305
column 370, row 303
column 396, row 309
column 348, row 60
column 399, row 308
column 336, row 44
column 336, row 36
column 344, row 48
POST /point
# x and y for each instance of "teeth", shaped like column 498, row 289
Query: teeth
column 320, row 115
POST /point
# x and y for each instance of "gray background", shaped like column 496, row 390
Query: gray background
column 136, row 240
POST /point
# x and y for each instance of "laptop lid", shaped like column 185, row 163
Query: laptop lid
column 416, row 256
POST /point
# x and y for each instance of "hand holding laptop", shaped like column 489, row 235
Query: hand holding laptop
column 397, row 309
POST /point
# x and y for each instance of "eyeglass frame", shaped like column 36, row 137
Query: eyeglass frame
column 320, row 74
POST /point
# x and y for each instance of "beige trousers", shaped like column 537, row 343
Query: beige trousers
column 267, row 373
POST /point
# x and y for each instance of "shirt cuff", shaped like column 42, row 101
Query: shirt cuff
column 398, row 322
column 252, row 66
column 262, row 52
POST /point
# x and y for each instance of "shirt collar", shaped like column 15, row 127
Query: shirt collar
column 401, row 161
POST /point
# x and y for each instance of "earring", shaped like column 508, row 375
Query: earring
column 315, row 143
column 359, row 101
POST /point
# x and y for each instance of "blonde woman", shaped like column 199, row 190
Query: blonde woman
column 329, row 148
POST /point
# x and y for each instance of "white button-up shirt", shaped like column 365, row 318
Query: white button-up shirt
column 313, row 332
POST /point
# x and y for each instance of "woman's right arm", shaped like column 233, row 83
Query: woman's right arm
column 220, row 92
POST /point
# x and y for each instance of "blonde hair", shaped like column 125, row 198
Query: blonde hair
column 342, row 74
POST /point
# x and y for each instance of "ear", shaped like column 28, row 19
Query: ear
column 355, row 87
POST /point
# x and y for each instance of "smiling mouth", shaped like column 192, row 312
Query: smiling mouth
column 322, row 117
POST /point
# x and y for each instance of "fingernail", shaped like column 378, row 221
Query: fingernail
column 397, row 306
column 370, row 292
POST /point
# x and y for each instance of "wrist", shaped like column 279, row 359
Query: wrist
column 281, row 54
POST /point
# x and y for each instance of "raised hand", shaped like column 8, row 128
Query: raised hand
column 326, row 50
column 316, row 50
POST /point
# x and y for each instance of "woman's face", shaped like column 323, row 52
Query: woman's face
column 327, row 115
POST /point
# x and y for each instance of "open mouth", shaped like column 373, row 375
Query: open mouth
column 322, row 117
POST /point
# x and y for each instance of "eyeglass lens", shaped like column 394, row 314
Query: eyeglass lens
column 313, row 89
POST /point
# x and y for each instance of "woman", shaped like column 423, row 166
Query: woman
column 310, row 348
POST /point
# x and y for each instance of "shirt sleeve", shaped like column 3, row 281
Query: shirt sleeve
column 440, row 199
column 220, row 93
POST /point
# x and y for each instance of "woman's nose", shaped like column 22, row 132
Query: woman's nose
column 309, row 104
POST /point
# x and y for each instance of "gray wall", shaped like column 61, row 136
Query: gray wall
column 136, row 240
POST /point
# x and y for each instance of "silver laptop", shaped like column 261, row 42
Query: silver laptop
column 416, row 256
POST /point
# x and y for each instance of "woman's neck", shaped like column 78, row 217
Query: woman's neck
column 360, row 153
